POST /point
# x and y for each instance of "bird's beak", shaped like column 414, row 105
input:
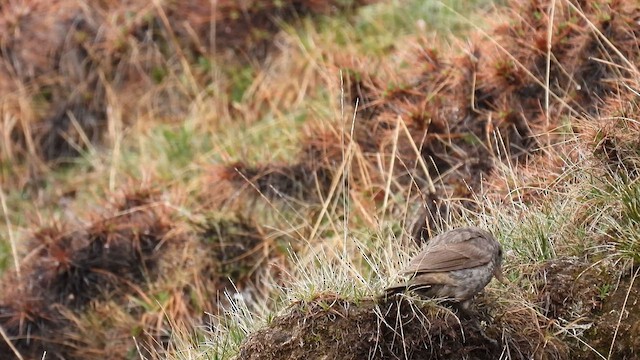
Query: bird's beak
column 499, row 275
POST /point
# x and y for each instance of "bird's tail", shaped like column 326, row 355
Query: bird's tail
column 397, row 288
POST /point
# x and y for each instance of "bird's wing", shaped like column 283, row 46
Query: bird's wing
column 449, row 257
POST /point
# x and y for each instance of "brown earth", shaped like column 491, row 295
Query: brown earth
column 332, row 328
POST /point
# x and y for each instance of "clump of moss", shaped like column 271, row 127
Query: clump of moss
column 330, row 326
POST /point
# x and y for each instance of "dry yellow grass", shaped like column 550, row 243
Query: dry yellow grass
column 231, row 203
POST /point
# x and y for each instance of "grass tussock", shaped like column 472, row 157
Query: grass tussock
column 563, row 217
column 64, row 64
column 458, row 111
column 65, row 270
column 127, row 277
column 332, row 326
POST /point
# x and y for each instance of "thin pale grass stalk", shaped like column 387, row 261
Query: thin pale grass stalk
column 392, row 161
column 310, row 279
column 340, row 272
column 8, row 123
column 177, row 48
column 423, row 165
column 243, row 319
column 632, row 90
column 337, row 179
column 632, row 67
column 481, row 31
column 83, row 135
column 114, row 128
column 12, row 240
column 501, row 148
column 212, row 32
column 502, row 212
column 414, row 302
column 566, row 332
column 274, row 207
column 381, row 318
column 78, row 148
column 86, row 149
column 622, row 311
column 345, row 153
column 138, row 349
column 179, row 333
column 342, row 141
column 362, row 211
column 26, row 118
column 314, row 61
column 547, row 81
column 381, row 256
column 386, row 261
column 291, row 201
column 402, row 336
column 10, row 344
column 419, row 158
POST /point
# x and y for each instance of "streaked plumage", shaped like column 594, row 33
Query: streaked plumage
column 456, row 265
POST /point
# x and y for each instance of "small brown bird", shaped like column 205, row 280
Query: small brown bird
column 455, row 265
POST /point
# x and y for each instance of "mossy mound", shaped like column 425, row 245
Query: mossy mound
column 568, row 295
